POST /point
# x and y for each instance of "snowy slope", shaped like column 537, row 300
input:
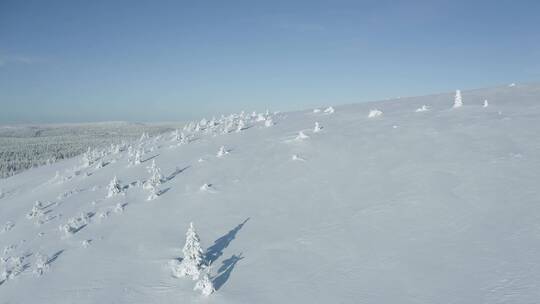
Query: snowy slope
column 439, row 206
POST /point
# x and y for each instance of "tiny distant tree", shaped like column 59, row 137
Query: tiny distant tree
column 301, row 136
column 486, row 104
column 222, row 152
column 137, row 159
column 317, row 128
column 458, row 103
column 268, row 122
column 329, row 110
column 144, row 137
column 241, row 125
column 114, row 187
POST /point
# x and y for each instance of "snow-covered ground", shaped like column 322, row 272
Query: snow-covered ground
column 380, row 204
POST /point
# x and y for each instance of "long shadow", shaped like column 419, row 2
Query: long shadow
column 176, row 172
column 161, row 192
column 225, row 270
column 55, row 256
column 215, row 251
column 150, row 158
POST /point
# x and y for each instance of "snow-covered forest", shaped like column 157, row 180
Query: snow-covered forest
column 23, row 147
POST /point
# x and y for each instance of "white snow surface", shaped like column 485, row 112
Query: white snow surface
column 443, row 209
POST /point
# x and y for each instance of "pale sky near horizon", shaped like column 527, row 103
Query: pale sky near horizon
column 74, row 60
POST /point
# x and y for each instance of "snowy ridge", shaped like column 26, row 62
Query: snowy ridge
column 333, row 205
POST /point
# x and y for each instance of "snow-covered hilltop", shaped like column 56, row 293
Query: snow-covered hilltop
column 432, row 199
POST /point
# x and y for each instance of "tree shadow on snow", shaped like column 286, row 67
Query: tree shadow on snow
column 215, row 251
column 161, row 192
column 225, row 270
column 176, row 172
column 55, row 256
column 150, row 158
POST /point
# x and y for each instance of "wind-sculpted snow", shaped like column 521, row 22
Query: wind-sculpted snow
column 427, row 203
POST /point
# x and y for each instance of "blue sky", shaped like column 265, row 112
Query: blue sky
column 70, row 61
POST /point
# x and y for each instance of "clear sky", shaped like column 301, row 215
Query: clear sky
column 74, row 60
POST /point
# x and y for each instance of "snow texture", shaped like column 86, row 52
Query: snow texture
column 444, row 208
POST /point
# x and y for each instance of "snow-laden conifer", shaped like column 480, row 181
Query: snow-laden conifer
column 317, row 127
column 193, row 261
column 204, row 285
column 301, row 136
column 329, row 110
column 114, row 187
column 268, row 122
column 222, row 152
column 457, row 100
column 423, row 108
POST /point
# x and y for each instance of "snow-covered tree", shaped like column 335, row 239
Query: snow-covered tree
column 260, row 117
column 222, row 152
column 423, row 108
column 154, row 192
column 42, row 264
column 193, row 261
column 152, row 167
column 144, row 137
column 1, row 193
column 114, row 187
column 137, row 159
column 36, row 212
column 268, row 122
column 329, row 110
column 301, row 136
column 457, row 100
column 486, row 104
column 204, row 285
column 317, row 127
column 374, row 113
column 241, row 125
column 295, row 157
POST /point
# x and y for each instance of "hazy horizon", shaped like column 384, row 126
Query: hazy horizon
column 65, row 61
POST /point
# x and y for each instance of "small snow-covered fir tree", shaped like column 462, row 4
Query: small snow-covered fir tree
column 193, row 260
column 42, row 264
column 295, row 157
column 241, row 125
column 144, row 137
column 205, row 285
column 268, row 122
column 317, row 127
column 374, row 113
column 154, row 192
column 176, row 135
column 301, row 136
column 114, row 187
column 457, row 100
column 486, row 104
column 423, row 108
column 152, row 167
column 137, row 159
column 329, row 110
column 222, row 152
